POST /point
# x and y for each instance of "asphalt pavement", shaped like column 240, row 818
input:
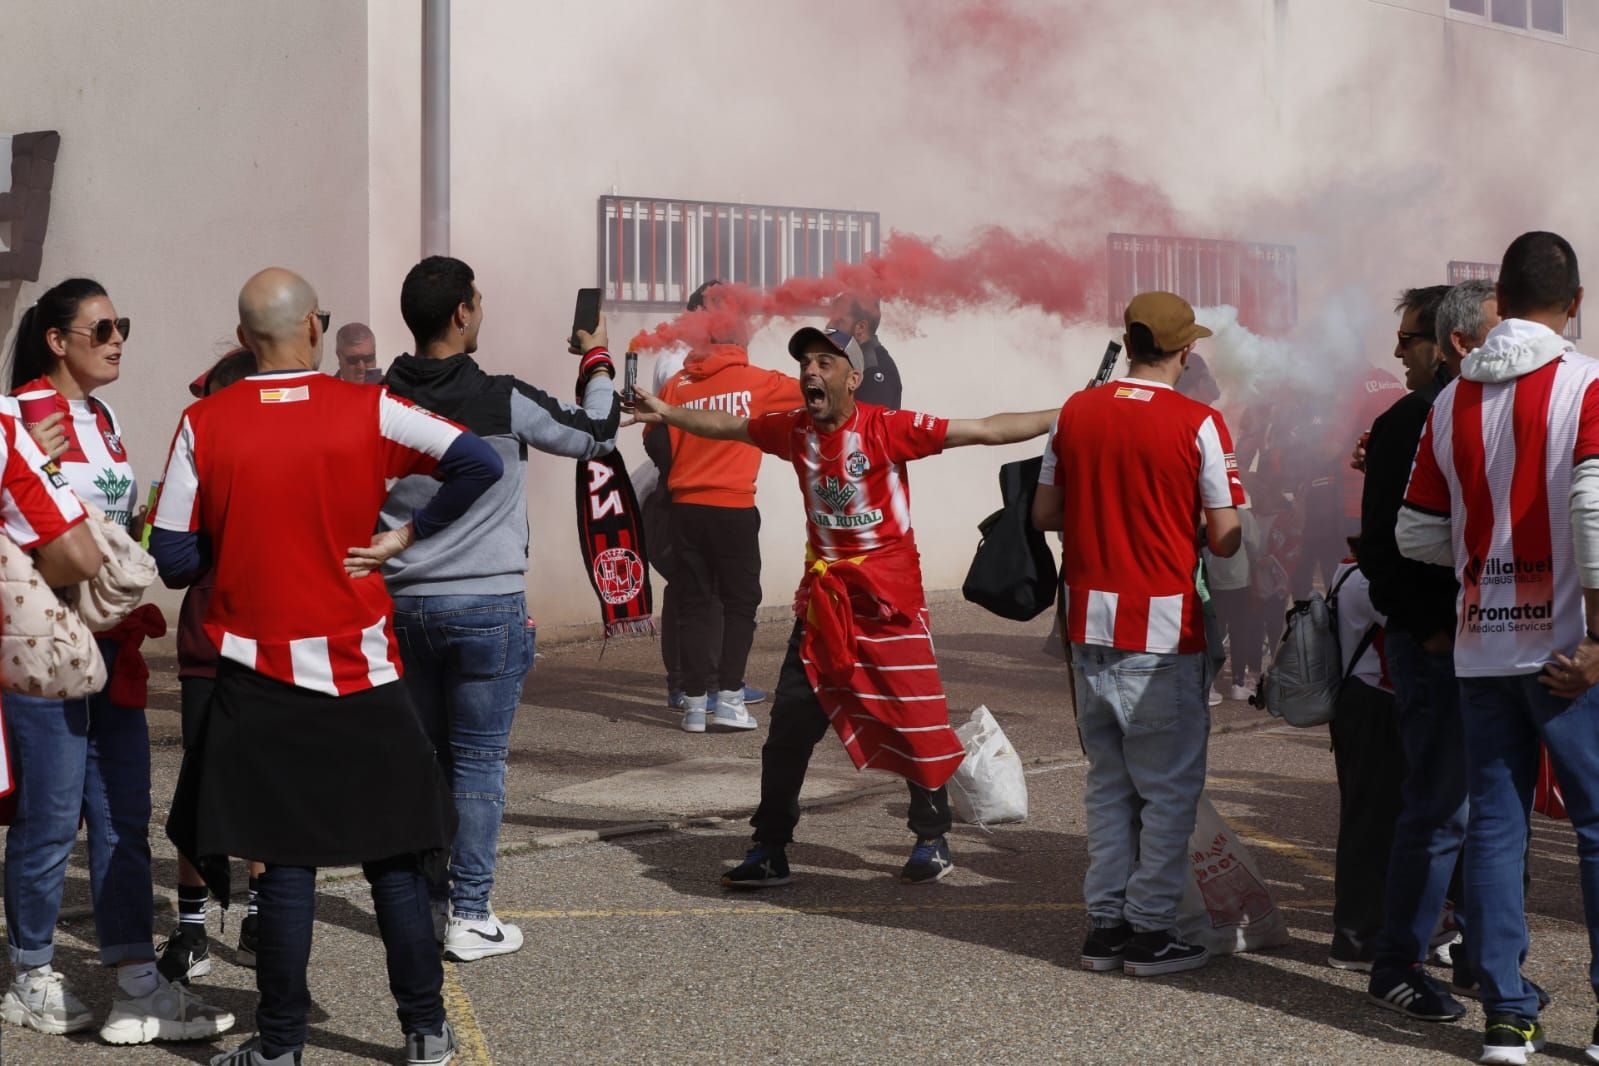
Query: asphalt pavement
column 618, row 826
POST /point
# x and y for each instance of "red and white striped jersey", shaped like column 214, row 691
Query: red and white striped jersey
column 36, row 504
column 857, row 494
column 1137, row 461
column 1496, row 457
column 285, row 473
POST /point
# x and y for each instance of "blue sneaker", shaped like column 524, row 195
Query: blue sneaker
column 763, row 867
column 929, row 862
column 754, row 695
column 674, row 699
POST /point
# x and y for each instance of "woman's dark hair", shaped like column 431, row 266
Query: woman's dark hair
column 235, row 366
column 30, row 355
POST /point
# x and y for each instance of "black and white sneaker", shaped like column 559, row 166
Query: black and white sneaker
column 1508, row 1040
column 185, row 954
column 1106, row 947
column 1349, row 952
column 763, row 867
column 1415, row 995
column 929, row 862
column 1155, row 953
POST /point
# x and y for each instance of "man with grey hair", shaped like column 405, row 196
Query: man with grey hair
column 1438, row 326
column 357, row 352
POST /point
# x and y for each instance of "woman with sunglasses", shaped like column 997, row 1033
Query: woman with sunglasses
column 87, row 757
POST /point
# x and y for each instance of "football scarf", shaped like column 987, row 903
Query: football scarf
column 610, row 527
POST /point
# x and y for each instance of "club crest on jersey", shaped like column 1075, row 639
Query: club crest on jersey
column 113, row 441
column 834, row 493
column 298, row 394
column 53, row 472
column 856, row 464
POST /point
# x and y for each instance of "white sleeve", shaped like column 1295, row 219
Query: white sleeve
column 1585, row 521
column 178, row 508
column 414, row 429
column 1215, row 479
column 1046, row 474
column 1424, row 537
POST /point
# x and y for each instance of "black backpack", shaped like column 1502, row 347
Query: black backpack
column 1013, row 573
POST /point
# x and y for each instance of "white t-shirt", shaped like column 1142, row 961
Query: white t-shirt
column 1355, row 616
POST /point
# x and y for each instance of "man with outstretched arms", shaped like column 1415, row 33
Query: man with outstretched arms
column 861, row 656
column 1505, row 490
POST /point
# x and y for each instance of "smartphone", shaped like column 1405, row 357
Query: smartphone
column 629, row 377
column 586, row 316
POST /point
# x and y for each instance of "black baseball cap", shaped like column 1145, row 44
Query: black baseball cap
column 837, row 339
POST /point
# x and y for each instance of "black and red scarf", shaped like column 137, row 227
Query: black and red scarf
column 610, row 528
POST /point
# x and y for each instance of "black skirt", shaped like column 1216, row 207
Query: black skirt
column 291, row 777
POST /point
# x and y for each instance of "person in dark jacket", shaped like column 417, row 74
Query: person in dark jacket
column 460, row 606
column 859, row 316
column 1419, row 602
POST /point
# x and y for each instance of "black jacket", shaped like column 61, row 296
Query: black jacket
column 1417, row 598
column 880, row 380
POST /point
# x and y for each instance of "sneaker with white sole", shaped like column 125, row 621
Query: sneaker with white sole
column 171, row 1012
column 40, row 1000
column 249, row 1054
column 930, row 861
column 1215, row 698
column 470, row 939
column 763, row 867
column 694, row 714
column 1240, row 693
column 1508, row 1040
column 423, row 1049
column 185, row 954
column 730, row 712
column 1158, row 952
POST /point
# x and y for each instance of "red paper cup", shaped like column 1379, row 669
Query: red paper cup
column 36, row 406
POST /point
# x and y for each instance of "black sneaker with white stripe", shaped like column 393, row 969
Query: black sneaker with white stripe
column 1156, row 953
column 1105, row 948
column 1415, row 995
column 763, row 867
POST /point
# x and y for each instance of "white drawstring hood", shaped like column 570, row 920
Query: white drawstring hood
column 1514, row 348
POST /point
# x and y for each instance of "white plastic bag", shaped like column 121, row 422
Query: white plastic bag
column 990, row 785
column 1226, row 905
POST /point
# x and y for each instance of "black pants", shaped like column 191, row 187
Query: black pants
column 1371, row 770
column 798, row 722
column 287, row 904
column 1242, row 615
column 672, row 637
column 717, row 556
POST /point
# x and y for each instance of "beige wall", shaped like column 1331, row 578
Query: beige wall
column 199, row 142
column 1380, row 138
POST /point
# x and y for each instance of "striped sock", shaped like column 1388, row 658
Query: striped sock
column 255, row 888
column 191, row 905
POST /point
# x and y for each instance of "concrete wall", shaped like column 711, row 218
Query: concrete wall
column 1381, row 138
column 199, row 143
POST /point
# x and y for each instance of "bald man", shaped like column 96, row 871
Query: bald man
column 357, row 352
column 284, row 474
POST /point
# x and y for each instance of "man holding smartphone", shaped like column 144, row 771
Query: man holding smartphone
column 460, row 598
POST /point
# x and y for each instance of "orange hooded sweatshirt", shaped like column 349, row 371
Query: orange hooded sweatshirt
column 721, row 473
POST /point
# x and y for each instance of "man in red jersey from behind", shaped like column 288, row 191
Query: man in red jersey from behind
column 861, row 655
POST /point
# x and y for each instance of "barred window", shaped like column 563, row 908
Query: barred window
column 1259, row 279
column 1540, row 17
column 653, row 252
column 1464, row 270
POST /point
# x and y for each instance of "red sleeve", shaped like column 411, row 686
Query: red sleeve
column 1429, row 489
column 913, row 435
column 36, row 506
column 1587, row 426
column 774, row 433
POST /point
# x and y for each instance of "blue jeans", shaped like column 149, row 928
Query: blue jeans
column 466, row 658
column 1505, row 718
column 71, row 758
column 1145, row 725
column 286, row 905
column 1432, row 820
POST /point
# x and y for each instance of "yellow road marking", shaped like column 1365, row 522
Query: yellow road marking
column 1312, row 863
column 473, row 1046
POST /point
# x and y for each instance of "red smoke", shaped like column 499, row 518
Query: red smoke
column 999, row 268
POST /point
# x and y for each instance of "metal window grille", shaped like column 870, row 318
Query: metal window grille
column 1465, row 270
column 653, row 252
column 1539, row 17
column 1258, row 279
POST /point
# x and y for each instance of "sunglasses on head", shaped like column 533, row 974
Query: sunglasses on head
column 100, row 329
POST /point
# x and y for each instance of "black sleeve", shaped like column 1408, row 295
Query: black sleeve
column 1417, row 599
column 658, row 446
column 891, row 385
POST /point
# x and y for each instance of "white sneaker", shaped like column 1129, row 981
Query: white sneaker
column 1240, row 693
column 40, row 1000
column 171, row 1012
column 1215, row 697
column 441, row 917
column 731, row 712
column 470, row 939
column 694, row 714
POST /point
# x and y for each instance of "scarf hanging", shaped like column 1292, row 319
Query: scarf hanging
column 610, row 527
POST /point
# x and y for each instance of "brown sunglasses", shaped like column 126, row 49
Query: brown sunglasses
column 100, row 329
